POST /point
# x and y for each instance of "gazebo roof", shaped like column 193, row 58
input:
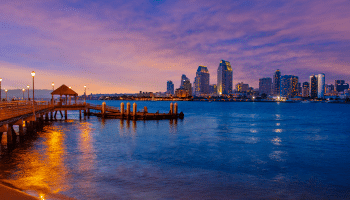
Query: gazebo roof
column 64, row 90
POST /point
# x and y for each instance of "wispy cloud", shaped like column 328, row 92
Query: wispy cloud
column 131, row 46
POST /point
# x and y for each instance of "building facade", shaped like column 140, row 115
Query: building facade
column 321, row 81
column 170, row 87
column 183, row 79
column 188, row 86
column 340, row 85
column 242, row 87
column 277, row 83
column 313, row 86
column 289, row 86
column 213, row 89
column 224, row 78
column 305, row 90
column 201, row 82
column 265, row 86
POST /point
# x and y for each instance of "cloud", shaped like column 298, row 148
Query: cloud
column 139, row 45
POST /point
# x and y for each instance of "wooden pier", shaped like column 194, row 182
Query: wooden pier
column 32, row 116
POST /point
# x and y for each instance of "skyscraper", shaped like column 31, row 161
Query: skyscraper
column 183, row 79
column 305, row 90
column 289, row 86
column 201, row 82
column 170, row 87
column 320, row 85
column 340, row 85
column 188, row 86
column 224, row 78
column 277, row 82
column 313, row 86
column 265, row 86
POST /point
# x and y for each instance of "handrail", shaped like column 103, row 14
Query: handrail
column 16, row 109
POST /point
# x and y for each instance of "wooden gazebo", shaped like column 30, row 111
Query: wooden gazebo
column 63, row 90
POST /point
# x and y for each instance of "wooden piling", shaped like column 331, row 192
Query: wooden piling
column 65, row 115
column 134, row 110
column 46, row 116
column 80, row 114
column 9, row 134
column 21, row 130
column 171, row 108
column 122, row 109
column 128, row 109
column 175, row 108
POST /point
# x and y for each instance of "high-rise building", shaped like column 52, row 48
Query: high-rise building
column 213, row 89
column 313, row 86
column 201, row 82
column 170, row 87
column 340, row 85
column 320, row 85
column 306, row 89
column 277, row 82
column 289, row 86
column 265, row 86
column 242, row 87
column 295, row 88
column 224, row 78
column 329, row 88
column 188, row 86
column 183, row 79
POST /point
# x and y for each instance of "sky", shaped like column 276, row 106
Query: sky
column 125, row 46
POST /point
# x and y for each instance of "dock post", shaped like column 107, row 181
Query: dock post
column 145, row 109
column 9, row 134
column 51, row 115
column 21, row 129
column 134, row 110
column 46, row 116
column 65, row 115
column 80, row 114
column 128, row 109
column 171, row 108
column 122, row 109
column 175, row 108
column 103, row 109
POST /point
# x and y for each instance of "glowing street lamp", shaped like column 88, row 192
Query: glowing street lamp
column 28, row 91
column 53, row 86
column 33, row 74
column 0, row 88
column 23, row 92
column 6, row 94
column 85, row 93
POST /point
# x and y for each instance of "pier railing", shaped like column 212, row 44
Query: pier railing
column 10, row 110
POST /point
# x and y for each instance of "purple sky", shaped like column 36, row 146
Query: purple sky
column 128, row 46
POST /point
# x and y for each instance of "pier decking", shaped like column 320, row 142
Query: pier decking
column 32, row 115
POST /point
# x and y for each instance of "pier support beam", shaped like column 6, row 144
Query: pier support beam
column 103, row 111
column 122, row 109
column 65, row 115
column 80, row 114
column 46, row 116
column 51, row 115
column 175, row 108
column 128, row 109
column 134, row 110
column 171, row 108
column 9, row 134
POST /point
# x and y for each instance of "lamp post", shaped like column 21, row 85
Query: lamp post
column 0, row 88
column 23, row 93
column 53, row 86
column 28, row 91
column 85, row 93
column 33, row 74
column 6, row 94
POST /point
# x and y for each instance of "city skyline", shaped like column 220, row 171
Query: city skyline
column 127, row 47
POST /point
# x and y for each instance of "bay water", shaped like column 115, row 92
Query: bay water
column 220, row 150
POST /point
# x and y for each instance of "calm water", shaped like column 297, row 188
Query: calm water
column 221, row 150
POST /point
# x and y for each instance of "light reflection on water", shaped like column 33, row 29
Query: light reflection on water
column 219, row 151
